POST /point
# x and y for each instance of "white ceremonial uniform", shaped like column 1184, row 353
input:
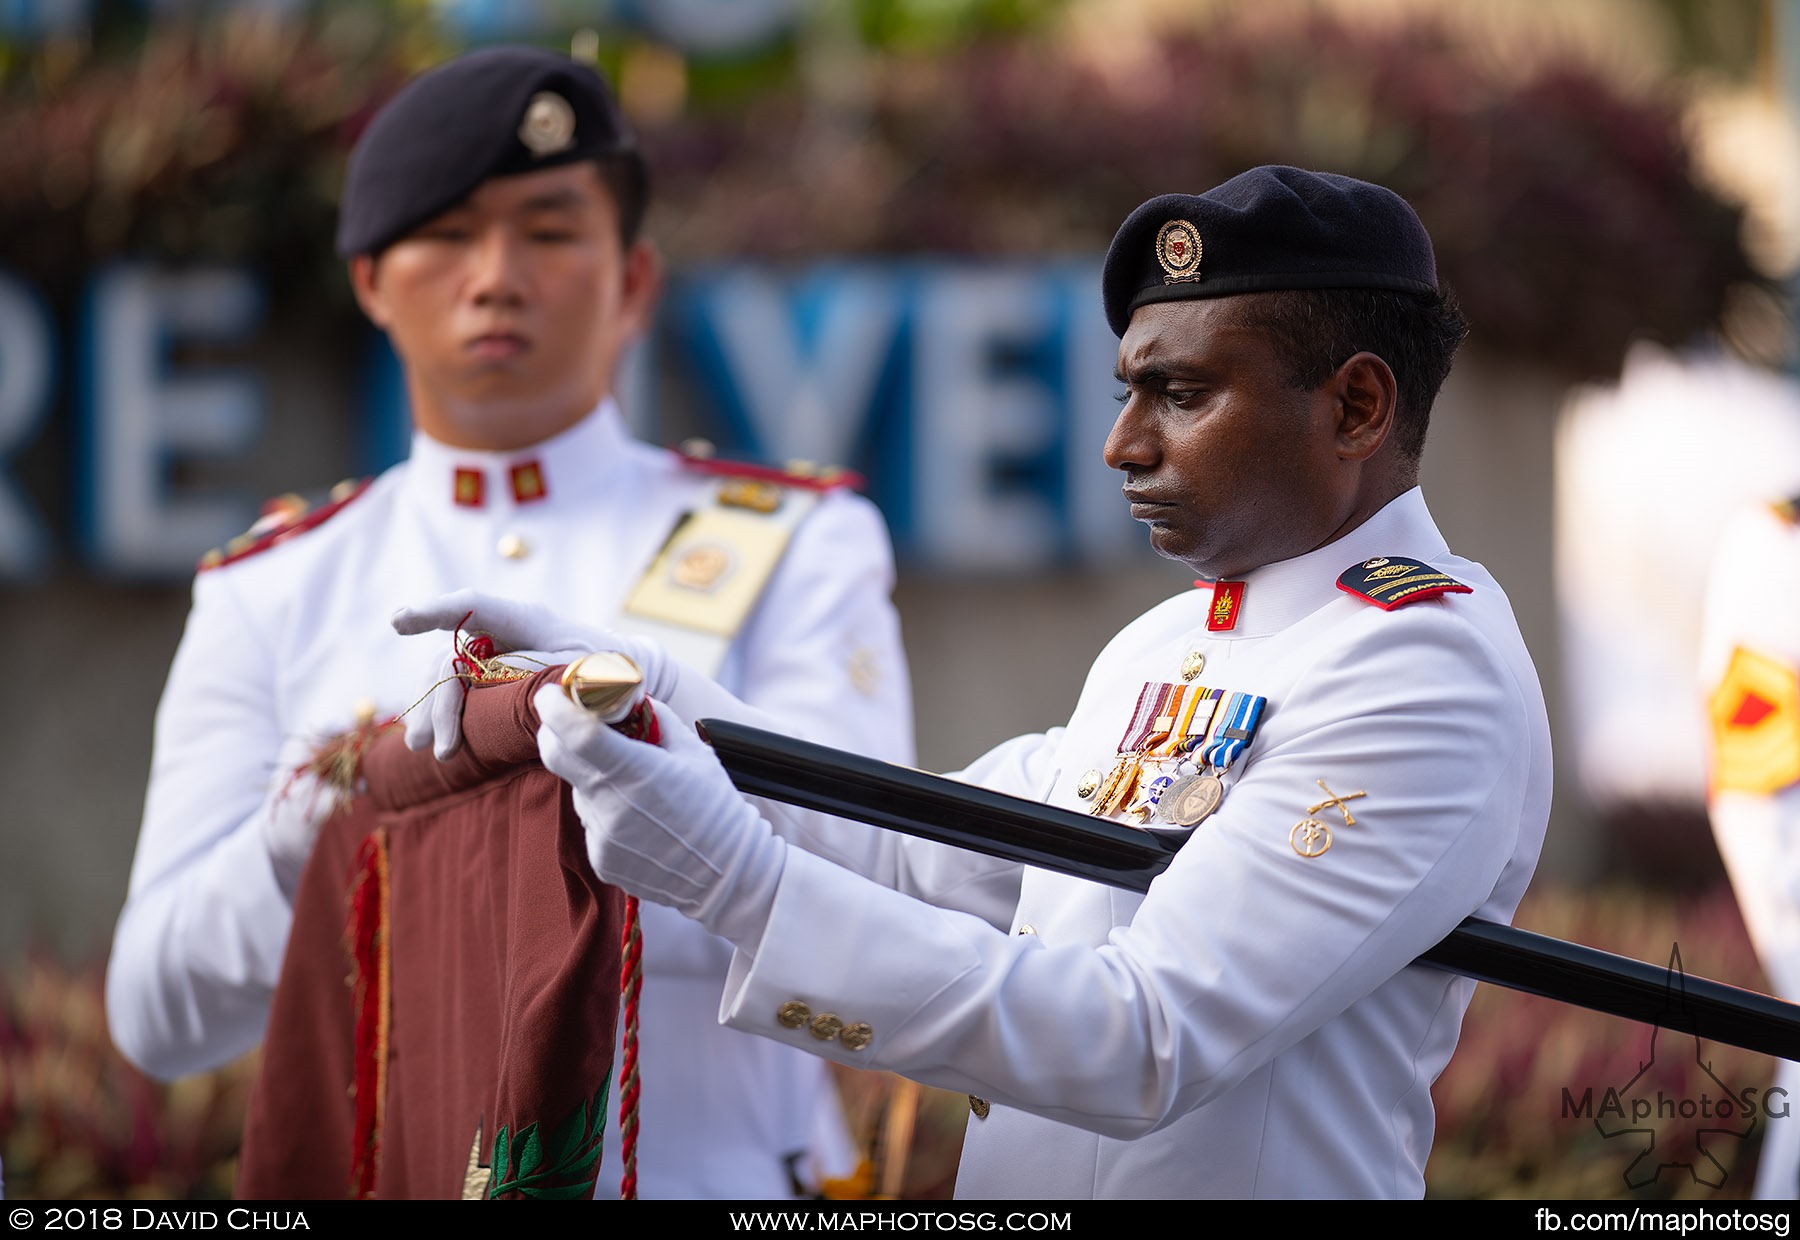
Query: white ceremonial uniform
column 289, row 642
column 1253, row 1027
column 1750, row 681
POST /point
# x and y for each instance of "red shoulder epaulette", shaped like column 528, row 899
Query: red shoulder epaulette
column 698, row 454
column 1390, row 581
column 282, row 518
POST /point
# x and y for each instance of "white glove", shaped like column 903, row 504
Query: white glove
column 530, row 633
column 664, row 821
column 290, row 817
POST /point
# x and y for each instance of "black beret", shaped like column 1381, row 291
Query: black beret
column 491, row 113
column 1270, row 228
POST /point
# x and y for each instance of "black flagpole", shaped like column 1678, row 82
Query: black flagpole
column 899, row 798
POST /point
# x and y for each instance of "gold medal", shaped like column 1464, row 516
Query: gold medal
column 1103, row 792
column 1119, row 788
column 1190, row 799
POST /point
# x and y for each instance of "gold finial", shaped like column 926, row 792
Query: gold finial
column 602, row 682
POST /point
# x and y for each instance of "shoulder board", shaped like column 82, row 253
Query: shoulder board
column 1390, row 581
column 283, row 518
column 697, row 455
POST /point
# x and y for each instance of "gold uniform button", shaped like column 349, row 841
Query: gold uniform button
column 826, row 1026
column 793, row 1013
column 857, row 1036
column 1027, row 928
column 978, row 1107
column 513, row 547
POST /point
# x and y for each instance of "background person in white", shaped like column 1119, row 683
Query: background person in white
column 1749, row 664
column 490, row 221
column 1253, row 1026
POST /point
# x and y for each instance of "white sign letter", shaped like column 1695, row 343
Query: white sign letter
column 971, row 413
column 25, row 353
column 141, row 418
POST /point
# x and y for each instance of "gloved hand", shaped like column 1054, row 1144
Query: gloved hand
column 531, row 635
column 664, row 821
column 290, row 817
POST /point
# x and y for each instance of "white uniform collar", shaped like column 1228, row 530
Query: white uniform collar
column 1278, row 595
column 572, row 462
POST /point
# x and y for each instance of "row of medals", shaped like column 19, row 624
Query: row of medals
column 1169, row 787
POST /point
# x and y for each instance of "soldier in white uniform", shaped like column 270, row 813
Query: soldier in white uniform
column 490, row 221
column 1342, row 716
column 1750, row 679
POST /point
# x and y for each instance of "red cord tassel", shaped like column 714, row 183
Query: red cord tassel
column 631, row 983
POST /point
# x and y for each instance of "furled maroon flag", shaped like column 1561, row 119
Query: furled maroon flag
column 444, row 1022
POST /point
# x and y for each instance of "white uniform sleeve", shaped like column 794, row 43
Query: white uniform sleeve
column 938, row 874
column 1240, row 949
column 822, row 660
column 198, row 946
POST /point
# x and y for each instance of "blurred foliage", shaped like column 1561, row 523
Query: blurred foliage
column 1502, row 1131
column 77, row 1122
column 1567, row 215
column 192, row 141
column 1719, row 34
column 920, row 24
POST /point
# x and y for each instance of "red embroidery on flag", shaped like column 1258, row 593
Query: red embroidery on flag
column 366, row 935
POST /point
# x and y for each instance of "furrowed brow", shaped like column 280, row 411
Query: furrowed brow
column 1142, row 377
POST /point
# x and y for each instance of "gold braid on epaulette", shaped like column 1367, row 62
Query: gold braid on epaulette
column 283, row 518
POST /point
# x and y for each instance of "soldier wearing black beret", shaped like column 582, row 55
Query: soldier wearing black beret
column 498, row 112
column 491, row 223
column 1339, row 727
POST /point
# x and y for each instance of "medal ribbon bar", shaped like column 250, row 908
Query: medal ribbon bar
column 1237, row 726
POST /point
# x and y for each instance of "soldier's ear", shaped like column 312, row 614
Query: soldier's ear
column 643, row 285
column 363, row 269
column 1366, row 395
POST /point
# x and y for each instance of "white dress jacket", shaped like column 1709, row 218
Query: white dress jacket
column 283, row 646
column 1254, row 1026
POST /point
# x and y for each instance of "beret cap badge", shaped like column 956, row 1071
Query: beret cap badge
column 549, row 124
column 1178, row 251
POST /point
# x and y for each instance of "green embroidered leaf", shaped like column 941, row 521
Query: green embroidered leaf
column 531, row 1151
column 574, row 1148
column 498, row 1163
